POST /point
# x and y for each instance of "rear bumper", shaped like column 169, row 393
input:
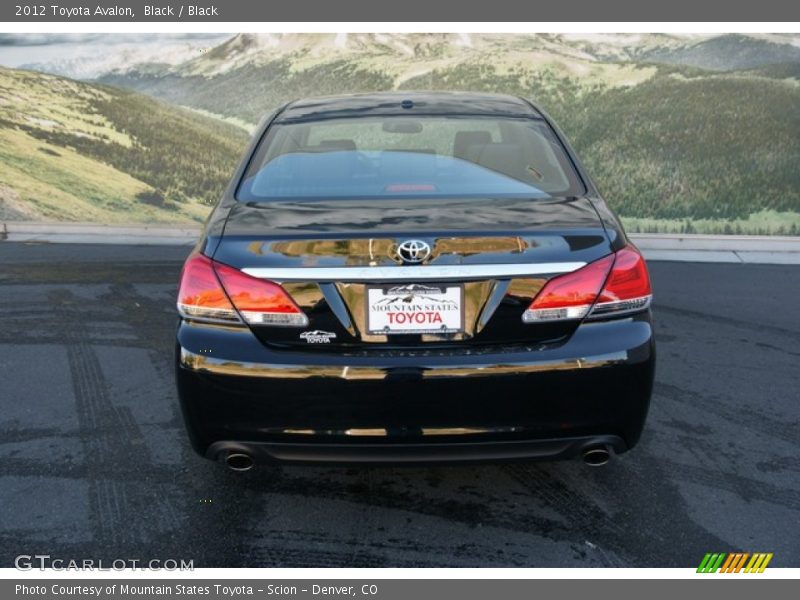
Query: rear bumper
column 551, row 402
column 416, row 452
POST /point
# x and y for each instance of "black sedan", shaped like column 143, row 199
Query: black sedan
column 413, row 277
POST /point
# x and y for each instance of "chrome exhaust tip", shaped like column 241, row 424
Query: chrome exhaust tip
column 596, row 457
column 238, row 461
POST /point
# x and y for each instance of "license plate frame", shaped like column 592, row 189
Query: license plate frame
column 415, row 299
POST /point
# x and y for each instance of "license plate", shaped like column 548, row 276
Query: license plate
column 415, row 308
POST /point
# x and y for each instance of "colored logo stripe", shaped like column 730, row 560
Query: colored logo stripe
column 758, row 563
column 735, row 562
column 711, row 562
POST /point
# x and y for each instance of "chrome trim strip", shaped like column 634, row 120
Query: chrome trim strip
column 411, row 273
column 614, row 309
column 205, row 318
column 339, row 308
column 383, row 432
column 495, row 298
column 218, row 366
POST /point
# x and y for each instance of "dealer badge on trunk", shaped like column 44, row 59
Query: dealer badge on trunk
column 317, row 336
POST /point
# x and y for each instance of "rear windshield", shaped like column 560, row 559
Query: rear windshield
column 399, row 156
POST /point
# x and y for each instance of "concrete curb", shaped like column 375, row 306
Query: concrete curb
column 90, row 233
column 668, row 247
column 748, row 249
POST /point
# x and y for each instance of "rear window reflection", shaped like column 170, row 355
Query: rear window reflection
column 404, row 156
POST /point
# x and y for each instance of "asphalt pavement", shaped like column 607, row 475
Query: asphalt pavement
column 95, row 464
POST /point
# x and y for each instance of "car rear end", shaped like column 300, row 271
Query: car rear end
column 398, row 287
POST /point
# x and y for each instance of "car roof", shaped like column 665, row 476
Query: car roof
column 407, row 103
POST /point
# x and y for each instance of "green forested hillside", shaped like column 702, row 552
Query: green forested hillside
column 716, row 147
column 711, row 147
column 672, row 146
column 667, row 141
column 679, row 134
column 81, row 152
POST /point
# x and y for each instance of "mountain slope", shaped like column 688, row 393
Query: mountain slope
column 250, row 74
column 81, row 152
column 663, row 141
column 702, row 147
column 672, row 145
column 725, row 53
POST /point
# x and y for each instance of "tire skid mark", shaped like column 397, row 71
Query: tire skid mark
column 13, row 434
column 153, row 322
column 784, row 463
column 109, row 436
column 778, row 349
column 748, row 489
column 304, row 557
column 761, row 328
column 390, row 552
column 576, row 507
column 27, row 467
column 33, row 323
column 744, row 415
column 221, row 534
column 361, row 552
column 388, row 498
column 403, row 552
column 32, row 339
column 666, row 536
column 218, row 535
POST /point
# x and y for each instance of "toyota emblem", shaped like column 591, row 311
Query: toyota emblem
column 413, row 251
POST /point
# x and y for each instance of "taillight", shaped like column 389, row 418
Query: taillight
column 213, row 292
column 570, row 296
column 260, row 302
column 628, row 287
column 614, row 285
column 201, row 296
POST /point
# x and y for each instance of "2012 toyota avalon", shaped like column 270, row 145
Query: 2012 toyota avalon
column 413, row 277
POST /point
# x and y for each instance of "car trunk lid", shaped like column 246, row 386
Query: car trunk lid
column 339, row 262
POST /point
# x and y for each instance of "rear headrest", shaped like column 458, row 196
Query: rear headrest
column 465, row 142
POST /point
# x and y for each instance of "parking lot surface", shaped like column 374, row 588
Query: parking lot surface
column 94, row 460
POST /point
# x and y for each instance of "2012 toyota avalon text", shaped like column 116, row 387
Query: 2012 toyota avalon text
column 413, row 277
